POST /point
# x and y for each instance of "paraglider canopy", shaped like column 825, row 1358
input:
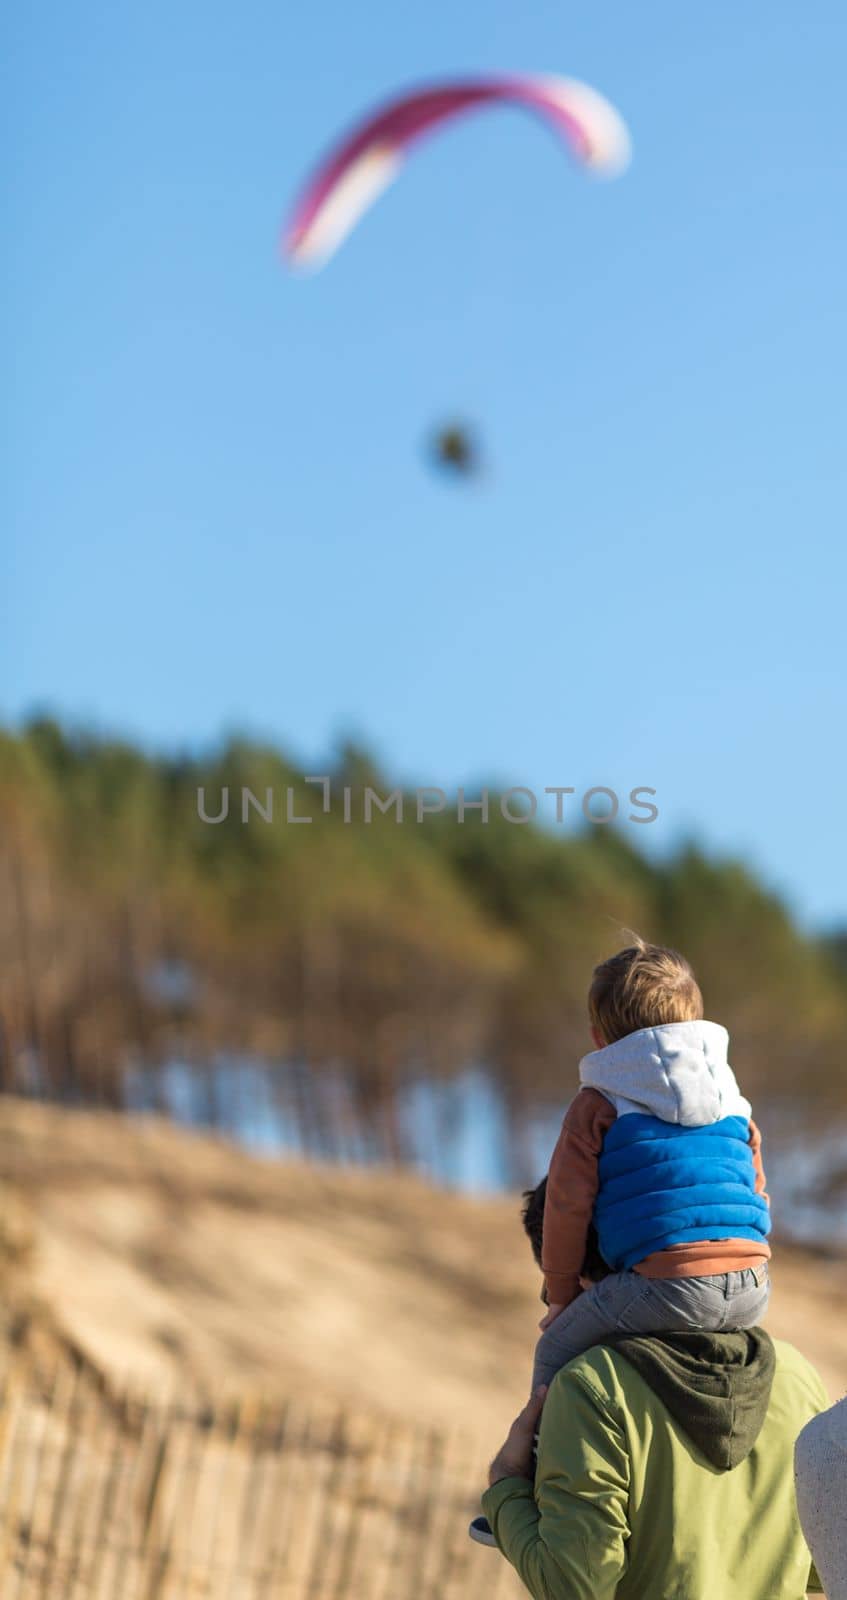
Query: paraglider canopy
column 370, row 157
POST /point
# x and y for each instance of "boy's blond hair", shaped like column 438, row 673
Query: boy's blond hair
column 641, row 987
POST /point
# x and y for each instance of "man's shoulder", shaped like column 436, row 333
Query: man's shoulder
column 602, row 1371
column 795, row 1370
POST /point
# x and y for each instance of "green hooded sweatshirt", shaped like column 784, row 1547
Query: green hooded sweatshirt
column 665, row 1472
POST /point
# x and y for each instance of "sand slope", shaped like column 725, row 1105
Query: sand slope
column 171, row 1260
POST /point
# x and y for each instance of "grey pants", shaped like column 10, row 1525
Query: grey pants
column 625, row 1302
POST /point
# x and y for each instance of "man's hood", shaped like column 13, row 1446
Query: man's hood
column 678, row 1071
column 717, row 1386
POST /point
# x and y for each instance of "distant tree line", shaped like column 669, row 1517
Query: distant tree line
column 130, row 930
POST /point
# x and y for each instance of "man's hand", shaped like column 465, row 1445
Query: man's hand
column 514, row 1458
column 552, row 1313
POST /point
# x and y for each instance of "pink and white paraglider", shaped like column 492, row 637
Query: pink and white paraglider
column 370, row 157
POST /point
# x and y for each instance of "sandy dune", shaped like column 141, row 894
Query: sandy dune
column 172, row 1260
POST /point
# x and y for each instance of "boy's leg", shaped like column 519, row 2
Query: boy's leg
column 713, row 1304
column 595, row 1315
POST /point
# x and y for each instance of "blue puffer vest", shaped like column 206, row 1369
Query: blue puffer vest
column 676, row 1164
column 662, row 1184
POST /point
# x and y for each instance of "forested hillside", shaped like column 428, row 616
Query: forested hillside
column 130, row 927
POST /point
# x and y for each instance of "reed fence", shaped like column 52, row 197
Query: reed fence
column 108, row 1496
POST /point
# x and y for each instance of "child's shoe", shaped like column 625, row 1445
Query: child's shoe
column 480, row 1530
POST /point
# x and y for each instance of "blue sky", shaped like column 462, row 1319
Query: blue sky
column 219, row 512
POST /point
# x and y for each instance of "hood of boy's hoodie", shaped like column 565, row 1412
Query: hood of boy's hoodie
column 717, row 1386
column 678, row 1071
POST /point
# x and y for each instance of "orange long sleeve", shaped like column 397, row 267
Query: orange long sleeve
column 571, row 1191
column 755, row 1143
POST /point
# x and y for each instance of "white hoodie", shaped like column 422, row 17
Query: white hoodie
column 678, row 1071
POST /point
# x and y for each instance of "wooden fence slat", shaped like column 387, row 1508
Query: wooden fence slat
column 291, row 1467
column 176, row 1473
column 66, row 1448
column 309, row 1494
column 398, row 1489
column 14, row 1447
column 107, row 1532
column 31, row 1477
column 81, row 1512
column 355, row 1557
column 249, row 1525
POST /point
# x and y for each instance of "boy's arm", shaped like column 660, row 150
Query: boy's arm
column 571, row 1191
column 755, row 1143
